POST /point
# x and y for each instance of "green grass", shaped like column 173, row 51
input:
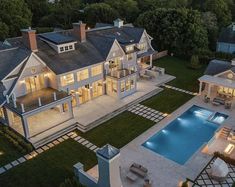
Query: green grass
column 49, row 168
column 8, row 152
column 118, row 131
column 186, row 78
column 167, row 101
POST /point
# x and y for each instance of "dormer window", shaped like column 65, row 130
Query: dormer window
column 142, row 46
column 66, row 48
column 129, row 48
column 61, row 49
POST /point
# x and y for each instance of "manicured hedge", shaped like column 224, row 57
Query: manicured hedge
column 227, row 159
column 18, row 141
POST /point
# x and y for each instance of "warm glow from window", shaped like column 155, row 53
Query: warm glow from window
column 129, row 48
column 82, row 75
column 229, row 149
column 123, row 86
column 67, row 79
column 142, row 46
column 1, row 113
column 97, row 70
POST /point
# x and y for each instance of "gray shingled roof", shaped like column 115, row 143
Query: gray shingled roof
column 227, row 35
column 217, row 66
column 108, row 151
column 57, row 38
column 84, row 55
column 11, row 58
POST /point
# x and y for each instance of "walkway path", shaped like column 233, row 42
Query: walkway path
column 46, row 147
column 179, row 89
column 147, row 112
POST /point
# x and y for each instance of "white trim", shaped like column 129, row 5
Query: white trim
column 115, row 41
column 227, row 71
column 17, row 66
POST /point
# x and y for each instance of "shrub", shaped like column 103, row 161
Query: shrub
column 227, row 159
column 185, row 184
column 17, row 141
column 194, row 62
column 224, row 56
column 71, row 182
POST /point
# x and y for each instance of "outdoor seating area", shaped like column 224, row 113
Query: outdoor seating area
column 137, row 170
column 220, row 100
column 152, row 73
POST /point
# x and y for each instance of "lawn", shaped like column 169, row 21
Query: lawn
column 119, row 130
column 50, row 168
column 167, row 101
column 186, row 78
column 8, row 153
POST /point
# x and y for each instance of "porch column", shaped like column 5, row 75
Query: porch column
column 77, row 98
column 200, row 88
column 151, row 61
column 90, row 92
column 25, row 127
column 209, row 91
column 70, row 108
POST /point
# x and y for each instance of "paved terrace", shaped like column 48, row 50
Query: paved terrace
column 164, row 172
column 95, row 109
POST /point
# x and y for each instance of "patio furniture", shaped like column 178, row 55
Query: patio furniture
column 131, row 176
column 231, row 136
column 206, row 99
column 219, row 170
column 219, row 100
column 139, row 170
column 145, row 76
column 229, row 149
column 147, row 183
column 228, row 105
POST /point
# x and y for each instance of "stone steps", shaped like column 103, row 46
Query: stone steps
column 54, row 136
column 105, row 118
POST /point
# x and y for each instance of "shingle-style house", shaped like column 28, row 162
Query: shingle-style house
column 218, row 83
column 226, row 40
column 48, row 74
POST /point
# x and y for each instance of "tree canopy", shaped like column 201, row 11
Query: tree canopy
column 179, row 30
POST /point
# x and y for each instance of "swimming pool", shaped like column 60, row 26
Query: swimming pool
column 181, row 138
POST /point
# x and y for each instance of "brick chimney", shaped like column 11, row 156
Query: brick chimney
column 79, row 30
column 29, row 39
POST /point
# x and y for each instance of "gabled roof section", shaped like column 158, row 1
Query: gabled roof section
column 102, row 44
column 10, row 59
column 57, row 38
column 108, row 152
column 227, row 35
column 217, row 66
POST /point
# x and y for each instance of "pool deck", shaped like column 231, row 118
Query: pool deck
column 162, row 171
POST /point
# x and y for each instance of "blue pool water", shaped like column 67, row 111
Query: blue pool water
column 181, row 138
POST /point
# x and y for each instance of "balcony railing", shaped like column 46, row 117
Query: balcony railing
column 36, row 99
column 120, row 73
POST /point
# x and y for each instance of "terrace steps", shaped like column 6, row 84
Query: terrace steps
column 224, row 132
column 85, row 128
column 54, row 136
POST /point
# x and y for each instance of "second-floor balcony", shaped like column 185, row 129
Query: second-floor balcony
column 37, row 99
column 120, row 73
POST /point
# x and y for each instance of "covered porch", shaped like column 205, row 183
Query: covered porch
column 145, row 60
column 39, row 111
column 219, row 91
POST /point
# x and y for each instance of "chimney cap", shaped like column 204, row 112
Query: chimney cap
column 79, row 23
column 29, row 29
column 108, row 152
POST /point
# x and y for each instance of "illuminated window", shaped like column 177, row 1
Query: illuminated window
column 132, row 83
column 123, row 86
column 97, row 70
column 142, row 46
column 129, row 56
column 67, row 79
column 82, row 75
column 1, row 113
column 129, row 48
column 128, row 84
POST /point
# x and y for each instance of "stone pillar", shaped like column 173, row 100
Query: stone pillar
column 209, row 91
column 25, row 127
column 77, row 98
column 200, row 88
column 151, row 61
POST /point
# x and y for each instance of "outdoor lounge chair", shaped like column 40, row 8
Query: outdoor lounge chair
column 131, row 176
column 139, row 170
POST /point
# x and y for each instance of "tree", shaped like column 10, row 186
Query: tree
column 16, row 15
column 209, row 21
column 127, row 9
column 39, row 8
column 194, row 62
column 4, row 31
column 221, row 10
column 99, row 12
column 178, row 30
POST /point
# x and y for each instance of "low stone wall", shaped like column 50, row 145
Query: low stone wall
column 161, row 54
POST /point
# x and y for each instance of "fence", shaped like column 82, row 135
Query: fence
column 161, row 54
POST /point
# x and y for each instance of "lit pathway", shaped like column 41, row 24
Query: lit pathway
column 147, row 112
column 179, row 89
column 46, row 147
